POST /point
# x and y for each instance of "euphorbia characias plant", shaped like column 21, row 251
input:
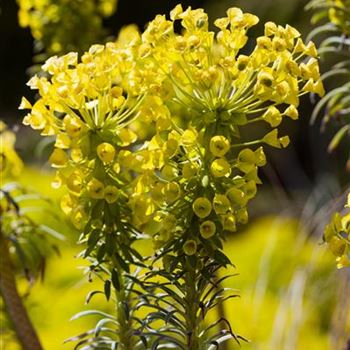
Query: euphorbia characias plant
column 188, row 180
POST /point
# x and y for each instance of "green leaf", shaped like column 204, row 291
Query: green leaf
column 52, row 232
column 107, row 289
column 97, row 209
column 101, row 252
column 123, row 264
column 221, row 258
column 91, row 312
column 136, row 254
column 90, row 295
column 110, row 244
column 338, row 137
column 115, row 279
column 93, row 238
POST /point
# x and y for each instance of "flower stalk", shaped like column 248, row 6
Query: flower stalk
column 17, row 313
column 123, row 314
column 191, row 303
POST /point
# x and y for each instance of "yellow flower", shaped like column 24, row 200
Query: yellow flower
column 246, row 160
column 143, row 208
column 95, row 189
column 337, row 246
column 242, row 215
column 260, row 158
column 202, row 207
column 127, row 137
column 78, row 217
column 75, row 182
column 291, row 112
column 249, row 189
column 228, row 222
column 111, row 193
column 273, row 140
column 190, row 247
column 169, row 172
column 58, row 158
column 337, row 235
column 189, row 170
column 25, row 104
column 11, row 164
column 236, row 196
column 207, row 229
column 36, row 120
column 172, row 192
column 273, row 116
column 219, row 145
column 106, row 152
column 220, row 167
column 43, row 20
column 77, row 155
column 62, row 141
column 72, row 125
column 221, row 204
column 67, row 203
column 343, row 261
column 189, row 137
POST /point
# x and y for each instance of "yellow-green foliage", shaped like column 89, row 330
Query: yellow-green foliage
column 282, row 294
column 288, row 289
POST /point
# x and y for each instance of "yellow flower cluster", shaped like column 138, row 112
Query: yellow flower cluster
column 190, row 181
column 88, row 107
column 337, row 236
column 10, row 163
column 191, row 188
column 63, row 26
column 339, row 14
column 196, row 174
column 217, row 84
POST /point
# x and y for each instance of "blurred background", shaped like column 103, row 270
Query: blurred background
column 292, row 296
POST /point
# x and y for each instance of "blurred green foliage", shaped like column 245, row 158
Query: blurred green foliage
column 292, row 298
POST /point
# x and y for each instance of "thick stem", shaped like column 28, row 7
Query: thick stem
column 16, row 311
column 221, row 315
column 191, row 302
column 123, row 315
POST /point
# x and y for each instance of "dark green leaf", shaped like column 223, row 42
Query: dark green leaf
column 115, row 279
column 107, row 289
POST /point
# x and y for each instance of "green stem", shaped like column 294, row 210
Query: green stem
column 191, row 302
column 123, row 314
column 221, row 314
column 16, row 311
